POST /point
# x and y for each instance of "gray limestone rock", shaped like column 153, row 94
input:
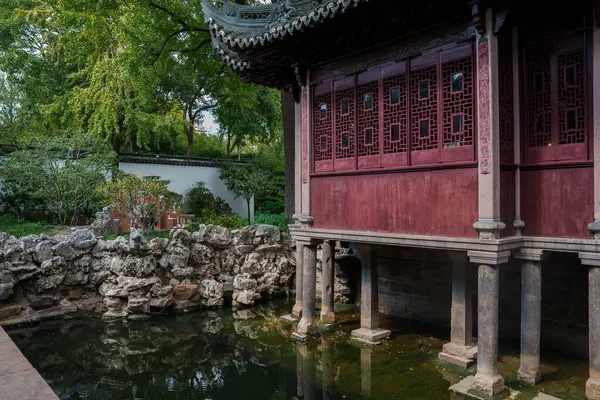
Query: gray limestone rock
column 268, row 233
column 244, row 282
column 43, row 251
column 119, row 245
column 180, row 237
column 113, row 303
column 136, row 239
column 138, row 305
column 178, row 256
column 214, row 236
column 212, row 293
column 64, row 250
column 82, row 239
column 43, row 283
column 139, row 267
column 245, row 297
column 6, row 289
column 130, row 283
column 105, row 224
column 77, row 278
column 99, row 277
column 182, row 273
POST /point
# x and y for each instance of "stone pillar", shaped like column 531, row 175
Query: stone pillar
column 595, row 226
column 297, row 309
column 299, row 375
column 488, row 225
column 369, row 299
column 308, row 324
column 487, row 379
column 531, row 314
column 592, row 386
column 461, row 350
column 327, row 366
column 366, row 383
column 327, row 282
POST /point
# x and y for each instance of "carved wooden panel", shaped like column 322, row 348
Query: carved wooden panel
column 457, row 97
column 483, row 63
column 322, row 127
column 368, row 119
column 305, row 146
column 395, row 115
column 571, row 98
column 424, row 108
column 344, row 123
column 539, row 103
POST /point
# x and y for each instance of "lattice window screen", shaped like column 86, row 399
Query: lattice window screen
column 368, row 119
column 539, row 104
column 571, row 98
column 395, row 140
column 457, row 95
column 424, row 108
column 344, row 124
column 323, row 118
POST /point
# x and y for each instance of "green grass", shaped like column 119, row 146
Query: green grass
column 19, row 228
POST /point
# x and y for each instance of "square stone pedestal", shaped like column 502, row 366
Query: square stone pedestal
column 300, row 337
column 592, row 389
column 289, row 319
column 370, row 336
column 463, row 356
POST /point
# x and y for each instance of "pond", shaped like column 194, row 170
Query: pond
column 244, row 354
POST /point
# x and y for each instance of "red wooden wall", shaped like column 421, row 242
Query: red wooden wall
column 433, row 202
column 557, row 202
column 507, row 200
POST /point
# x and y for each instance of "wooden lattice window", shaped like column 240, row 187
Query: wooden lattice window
column 368, row 119
column 555, row 82
column 395, row 115
column 506, row 101
column 322, row 136
column 424, row 109
column 457, row 95
column 539, row 104
column 571, row 98
column 344, row 123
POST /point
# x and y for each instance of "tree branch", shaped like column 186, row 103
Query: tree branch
column 177, row 18
column 167, row 39
column 197, row 47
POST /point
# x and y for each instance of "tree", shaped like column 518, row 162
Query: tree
column 62, row 173
column 244, row 180
column 288, row 105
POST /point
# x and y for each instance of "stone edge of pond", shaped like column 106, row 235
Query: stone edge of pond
column 18, row 379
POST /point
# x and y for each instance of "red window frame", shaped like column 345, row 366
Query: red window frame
column 558, row 99
column 384, row 152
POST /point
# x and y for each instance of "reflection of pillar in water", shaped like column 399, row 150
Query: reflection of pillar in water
column 307, row 369
column 299, row 377
column 327, row 364
column 365, row 373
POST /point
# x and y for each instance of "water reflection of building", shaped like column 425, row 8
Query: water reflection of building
column 444, row 136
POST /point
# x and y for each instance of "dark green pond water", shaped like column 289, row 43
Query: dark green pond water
column 244, row 354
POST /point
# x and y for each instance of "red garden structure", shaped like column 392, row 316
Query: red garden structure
column 468, row 132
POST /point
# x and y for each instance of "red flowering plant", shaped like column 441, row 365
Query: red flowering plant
column 143, row 200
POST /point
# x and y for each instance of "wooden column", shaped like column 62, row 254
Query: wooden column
column 518, row 223
column 531, row 314
column 592, row 386
column 327, row 282
column 487, row 379
column 369, row 299
column 461, row 350
column 595, row 225
column 488, row 128
column 308, row 324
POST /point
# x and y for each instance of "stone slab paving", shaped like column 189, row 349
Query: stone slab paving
column 18, row 379
column 463, row 389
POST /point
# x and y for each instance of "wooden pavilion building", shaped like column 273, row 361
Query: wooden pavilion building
column 468, row 129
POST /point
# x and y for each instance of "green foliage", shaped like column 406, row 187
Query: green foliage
column 278, row 220
column 209, row 146
column 228, row 221
column 60, row 175
column 201, row 202
column 20, row 228
column 142, row 200
column 244, row 180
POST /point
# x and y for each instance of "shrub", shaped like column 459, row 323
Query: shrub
column 229, row 221
column 245, row 181
column 201, row 202
column 59, row 175
column 278, row 220
column 142, row 200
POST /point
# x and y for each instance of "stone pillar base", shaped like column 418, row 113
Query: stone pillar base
column 463, row 356
column 592, row 389
column 328, row 317
column 529, row 377
column 300, row 337
column 489, row 385
column 297, row 310
column 370, row 336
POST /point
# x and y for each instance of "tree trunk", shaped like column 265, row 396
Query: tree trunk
column 189, row 133
column 249, row 219
column 288, row 105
